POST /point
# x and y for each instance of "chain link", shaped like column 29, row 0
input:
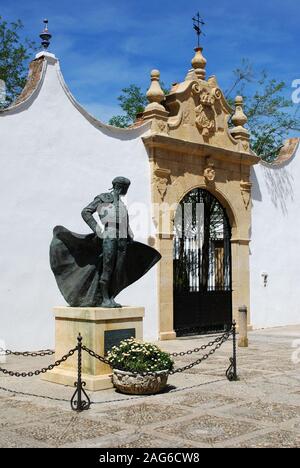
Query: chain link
column 44, row 352
column 220, row 342
column 201, row 348
column 96, row 356
column 41, row 371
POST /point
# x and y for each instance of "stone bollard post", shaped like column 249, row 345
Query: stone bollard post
column 243, row 327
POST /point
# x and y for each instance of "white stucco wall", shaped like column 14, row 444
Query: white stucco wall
column 53, row 162
column 275, row 246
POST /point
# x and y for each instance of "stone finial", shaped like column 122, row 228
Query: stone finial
column 239, row 119
column 155, row 111
column 199, row 63
column 155, row 94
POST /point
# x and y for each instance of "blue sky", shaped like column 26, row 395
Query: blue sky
column 106, row 45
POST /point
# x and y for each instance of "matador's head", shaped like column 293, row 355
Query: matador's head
column 121, row 185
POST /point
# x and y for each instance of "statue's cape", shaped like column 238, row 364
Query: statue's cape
column 76, row 261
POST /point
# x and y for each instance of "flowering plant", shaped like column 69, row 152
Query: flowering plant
column 134, row 356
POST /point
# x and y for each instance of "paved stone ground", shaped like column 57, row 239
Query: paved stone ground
column 200, row 409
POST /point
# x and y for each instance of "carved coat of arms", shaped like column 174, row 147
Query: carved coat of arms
column 205, row 112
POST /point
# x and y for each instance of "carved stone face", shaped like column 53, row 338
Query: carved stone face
column 209, row 174
column 162, row 184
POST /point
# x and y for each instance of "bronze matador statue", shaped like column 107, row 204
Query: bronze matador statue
column 91, row 270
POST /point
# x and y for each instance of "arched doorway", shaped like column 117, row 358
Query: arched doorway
column 201, row 265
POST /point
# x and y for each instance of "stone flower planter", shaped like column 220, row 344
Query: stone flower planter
column 137, row 384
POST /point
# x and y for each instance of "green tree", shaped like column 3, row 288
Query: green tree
column 132, row 101
column 271, row 116
column 14, row 54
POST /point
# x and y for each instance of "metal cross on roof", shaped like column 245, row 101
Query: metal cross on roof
column 197, row 23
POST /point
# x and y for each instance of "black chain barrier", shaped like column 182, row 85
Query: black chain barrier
column 96, row 356
column 42, row 353
column 40, row 371
column 231, row 372
column 219, row 342
column 80, row 400
column 203, row 347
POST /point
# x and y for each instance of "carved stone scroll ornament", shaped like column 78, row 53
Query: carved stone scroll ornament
column 162, row 180
column 246, row 193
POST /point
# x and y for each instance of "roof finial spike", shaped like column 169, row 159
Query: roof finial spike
column 45, row 35
column 197, row 23
column 198, row 62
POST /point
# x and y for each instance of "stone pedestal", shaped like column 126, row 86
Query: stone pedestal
column 100, row 330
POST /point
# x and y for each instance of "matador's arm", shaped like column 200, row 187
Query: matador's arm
column 87, row 214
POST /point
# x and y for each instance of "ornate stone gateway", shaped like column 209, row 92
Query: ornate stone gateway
column 202, row 265
column 199, row 152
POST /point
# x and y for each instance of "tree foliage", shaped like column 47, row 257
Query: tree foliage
column 14, row 54
column 132, row 101
column 271, row 115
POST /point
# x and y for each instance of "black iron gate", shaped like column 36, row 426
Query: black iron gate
column 202, row 265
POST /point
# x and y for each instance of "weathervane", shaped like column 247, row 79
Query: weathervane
column 45, row 35
column 197, row 23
